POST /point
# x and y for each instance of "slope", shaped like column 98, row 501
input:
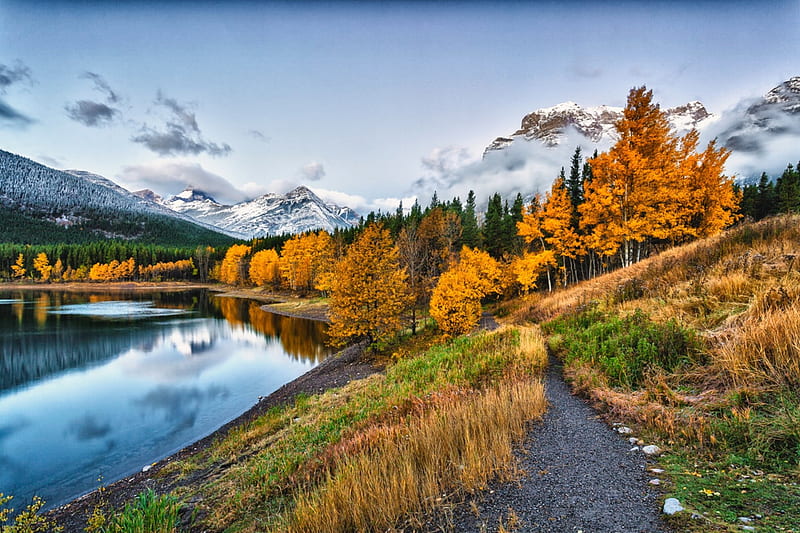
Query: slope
column 696, row 349
column 43, row 205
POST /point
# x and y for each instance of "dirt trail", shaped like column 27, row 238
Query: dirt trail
column 580, row 476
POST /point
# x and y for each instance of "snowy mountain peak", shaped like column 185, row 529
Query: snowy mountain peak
column 549, row 125
column 190, row 194
column 787, row 93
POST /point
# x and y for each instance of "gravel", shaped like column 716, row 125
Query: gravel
column 580, row 475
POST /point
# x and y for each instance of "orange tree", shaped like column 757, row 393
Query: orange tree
column 233, row 269
column 369, row 290
column 456, row 300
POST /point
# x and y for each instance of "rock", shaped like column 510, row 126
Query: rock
column 635, row 449
column 651, row 449
column 633, row 440
column 748, row 528
column 657, row 470
column 624, row 430
column 672, row 506
column 745, row 519
column 655, row 482
column 146, row 468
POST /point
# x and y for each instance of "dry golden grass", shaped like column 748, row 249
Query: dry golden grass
column 413, row 466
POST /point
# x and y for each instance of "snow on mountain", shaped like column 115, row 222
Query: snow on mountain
column 297, row 211
column 549, row 125
column 749, row 128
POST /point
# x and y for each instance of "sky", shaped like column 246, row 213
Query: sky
column 367, row 103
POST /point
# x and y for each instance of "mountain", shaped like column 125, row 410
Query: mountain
column 41, row 204
column 776, row 113
column 549, row 125
column 749, row 127
column 297, row 211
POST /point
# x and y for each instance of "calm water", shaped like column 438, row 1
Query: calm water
column 98, row 385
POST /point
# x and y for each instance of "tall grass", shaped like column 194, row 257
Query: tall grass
column 296, row 449
column 412, row 466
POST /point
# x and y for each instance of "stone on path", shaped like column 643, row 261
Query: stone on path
column 672, row 506
column 651, row 449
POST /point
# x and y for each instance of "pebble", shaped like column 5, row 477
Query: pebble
column 657, row 470
column 745, row 519
column 651, row 449
column 624, row 430
column 146, row 468
column 748, row 528
column 633, row 440
column 672, row 506
column 635, row 449
column 655, row 482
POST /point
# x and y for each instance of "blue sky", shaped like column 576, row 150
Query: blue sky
column 361, row 100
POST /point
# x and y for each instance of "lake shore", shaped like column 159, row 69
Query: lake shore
column 335, row 371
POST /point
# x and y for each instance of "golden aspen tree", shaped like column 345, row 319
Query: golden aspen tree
column 100, row 272
column 369, row 293
column 264, row 268
column 527, row 268
column 564, row 241
column 42, row 264
column 233, row 264
column 18, row 268
column 456, row 300
column 58, row 270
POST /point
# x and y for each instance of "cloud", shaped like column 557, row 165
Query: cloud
column 12, row 75
column 180, row 134
column 762, row 137
column 101, row 85
column 87, row 428
column 523, row 167
column 167, row 178
column 312, row 172
column 9, row 116
column 92, row 113
column 257, row 135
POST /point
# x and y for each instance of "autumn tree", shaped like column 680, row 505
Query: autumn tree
column 264, row 268
column 234, row 265
column 42, row 264
column 642, row 188
column 369, row 292
column 306, row 261
column 18, row 268
column 456, row 300
column 557, row 225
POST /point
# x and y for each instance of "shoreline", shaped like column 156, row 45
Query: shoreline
column 336, row 370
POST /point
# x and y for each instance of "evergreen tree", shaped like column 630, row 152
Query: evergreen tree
column 470, row 234
column 576, row 178
column 494, row 227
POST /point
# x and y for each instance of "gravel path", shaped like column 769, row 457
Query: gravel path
column 580, row 476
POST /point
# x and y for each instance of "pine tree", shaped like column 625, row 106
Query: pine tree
column 575, row 181
column 470, row 233
column 494, row 228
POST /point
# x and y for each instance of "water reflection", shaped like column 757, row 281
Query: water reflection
column 103, row 383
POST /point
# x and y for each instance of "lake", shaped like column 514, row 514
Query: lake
column 94, row 385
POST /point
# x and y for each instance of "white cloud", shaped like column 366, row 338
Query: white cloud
column 171, row 177
column 313, row 171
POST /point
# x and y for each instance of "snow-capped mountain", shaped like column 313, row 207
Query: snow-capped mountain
column 271, row 214
column 549, row 125
column 82, row 199
column 776, row 113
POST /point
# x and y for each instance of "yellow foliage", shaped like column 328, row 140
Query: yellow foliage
column 369, row 290
column 42, row 264
column 264, row 268
column 18, row 268
column 305, row 261
column 233, row 269
column 526, row 269
column 456, row 300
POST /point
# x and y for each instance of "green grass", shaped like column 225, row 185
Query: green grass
column 148, row 513
column 624, row 348
column 723, row 490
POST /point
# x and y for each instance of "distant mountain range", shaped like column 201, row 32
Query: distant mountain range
column 271, row 214
column 39, row 204
column 745, row 128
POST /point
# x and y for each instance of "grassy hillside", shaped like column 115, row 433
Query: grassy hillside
column 698, row 348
